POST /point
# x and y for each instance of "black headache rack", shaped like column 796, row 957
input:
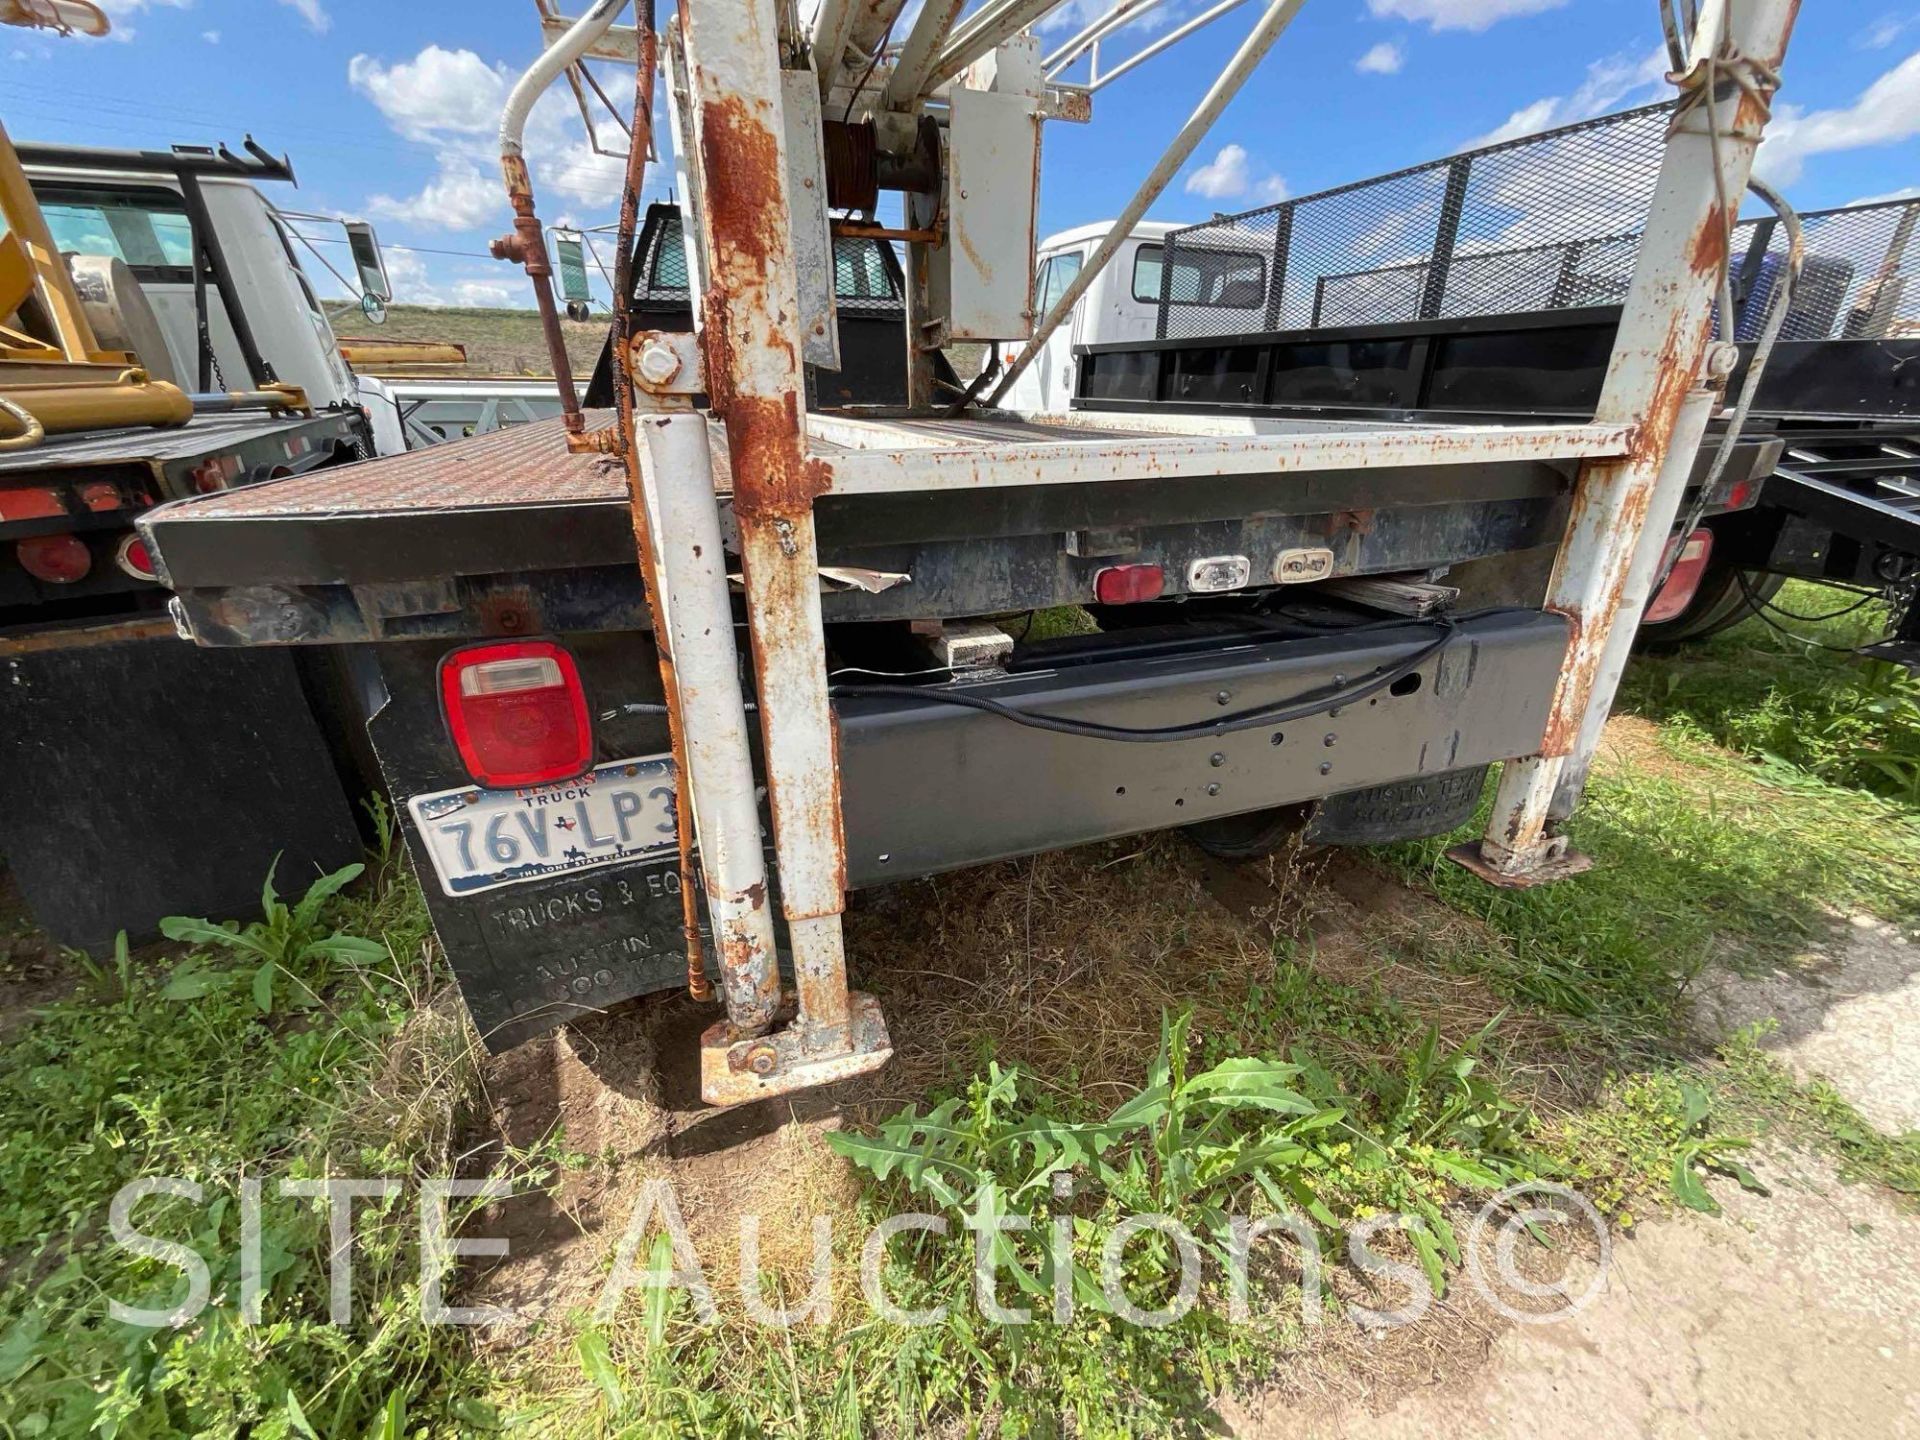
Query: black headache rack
column 1486, row 286
column 869, row 301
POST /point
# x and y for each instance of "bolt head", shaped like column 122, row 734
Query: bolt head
column 657, row 363
column 762, row 1060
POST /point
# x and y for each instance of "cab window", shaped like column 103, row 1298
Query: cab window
column 1052, row 281
column 1229, row 278
column 148, row 229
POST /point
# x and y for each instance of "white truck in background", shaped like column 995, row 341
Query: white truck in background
column 1123, row 303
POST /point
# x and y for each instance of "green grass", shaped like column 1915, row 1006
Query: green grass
column 176, row 1069
column 1776, row 697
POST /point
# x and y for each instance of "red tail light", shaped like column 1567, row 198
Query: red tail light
column 56, row 559
column 133, row 559
column 1128, row 584
column 517, row 713
column 1678, row 592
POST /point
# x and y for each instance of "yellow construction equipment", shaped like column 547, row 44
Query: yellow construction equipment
column 54, row 374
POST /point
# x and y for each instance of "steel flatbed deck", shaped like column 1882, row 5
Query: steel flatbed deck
column 902, row 496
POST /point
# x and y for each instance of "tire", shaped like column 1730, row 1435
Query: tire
column 1718, row 604
column 1253, row 835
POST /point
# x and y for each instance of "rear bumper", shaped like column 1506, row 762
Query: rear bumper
column 929, row 787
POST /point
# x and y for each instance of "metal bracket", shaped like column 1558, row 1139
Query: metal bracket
column 1552, row 860
column 793, row 1056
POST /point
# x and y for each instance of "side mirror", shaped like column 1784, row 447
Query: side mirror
column 570, row 259
column 371, row 265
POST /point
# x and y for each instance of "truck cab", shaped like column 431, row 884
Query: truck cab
column 1123, row 302
column 263, row 308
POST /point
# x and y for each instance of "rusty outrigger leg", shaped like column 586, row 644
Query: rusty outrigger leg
column 754, row 377
column 1658, row 352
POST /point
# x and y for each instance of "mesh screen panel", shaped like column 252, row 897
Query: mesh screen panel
column 1860, row 279
column 1544, row 222
column 1548, row 222
column 863, row 278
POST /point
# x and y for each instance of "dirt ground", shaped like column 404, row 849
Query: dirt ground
column 1795, row 1314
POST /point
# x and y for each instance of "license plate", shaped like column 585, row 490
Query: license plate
column 483, row 839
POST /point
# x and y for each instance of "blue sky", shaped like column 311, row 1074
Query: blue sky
column 388, row 110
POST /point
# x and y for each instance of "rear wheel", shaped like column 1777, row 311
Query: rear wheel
column 1252, row 835
column 1719, row 603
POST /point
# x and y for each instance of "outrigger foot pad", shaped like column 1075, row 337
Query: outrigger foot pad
column 793, row 1057
column 1543, row 872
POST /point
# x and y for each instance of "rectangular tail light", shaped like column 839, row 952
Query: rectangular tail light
column 1695, row 551
column 517, row 713
column 1128, row 584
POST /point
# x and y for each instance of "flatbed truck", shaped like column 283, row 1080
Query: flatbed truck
column 1300, row 617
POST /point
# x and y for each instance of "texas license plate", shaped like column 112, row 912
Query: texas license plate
column 482, row 839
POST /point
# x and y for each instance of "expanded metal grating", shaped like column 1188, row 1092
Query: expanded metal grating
column 866, row 278
column 1547, row 222
column 1544, row 222
column 1860, row 279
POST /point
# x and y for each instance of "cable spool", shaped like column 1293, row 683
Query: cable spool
column 853, row 169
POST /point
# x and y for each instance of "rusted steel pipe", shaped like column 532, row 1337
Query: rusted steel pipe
column 527, row 245
column 639, row 142
column 1669, row 489
column 1657, row 356
column 755, row 380
column 676, row 466
column 863, row 230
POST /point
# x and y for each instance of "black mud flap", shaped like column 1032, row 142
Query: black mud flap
column 534, row 954
column 1398, row 810
column 151, row 778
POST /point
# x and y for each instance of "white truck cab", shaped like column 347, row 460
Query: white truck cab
column 1123, row 303
column 142, row 215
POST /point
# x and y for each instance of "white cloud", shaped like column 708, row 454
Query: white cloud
column 313, row 12
column 212, row 37
column 1386, row 58
column 491, row 294
column 436, row 92
column 1886, row 112
column 1907, row 192
column 1228, row 176
column 1070, row 19
column 1610, row 84
column 1882, row 32
column 1460, row 14
column 460, row 197
column 118, row 12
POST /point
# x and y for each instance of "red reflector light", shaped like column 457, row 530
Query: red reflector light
column 1128, row 584
column 56, row 559
column 98, row 495
column 132, row 557
column 1678, row 592
column 517, row 713
column 32, row 503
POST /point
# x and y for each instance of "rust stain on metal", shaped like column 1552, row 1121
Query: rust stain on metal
column 1709, row 249
column 87, row 636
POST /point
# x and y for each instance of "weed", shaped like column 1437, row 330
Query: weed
column 1812, row 1112
column 1838, row 717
